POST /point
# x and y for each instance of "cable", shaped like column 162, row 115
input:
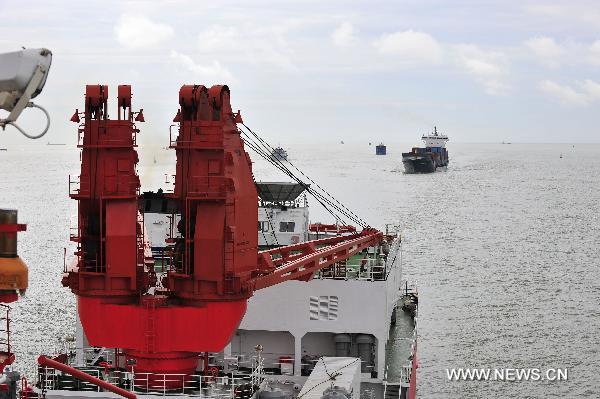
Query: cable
column 312, row 181
column 279, row 164
column 32, row 105
column 321, row 198
column 351, row 215
column 256, row 148
column 331, row 376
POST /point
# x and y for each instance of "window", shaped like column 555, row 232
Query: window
column 287, row 227
column 263, row 226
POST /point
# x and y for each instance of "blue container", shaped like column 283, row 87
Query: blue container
column 380, row 149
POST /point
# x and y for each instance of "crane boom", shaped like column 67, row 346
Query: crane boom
column 301, row 261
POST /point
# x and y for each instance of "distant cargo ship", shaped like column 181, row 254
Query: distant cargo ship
column 279, row 154
column 428, row 159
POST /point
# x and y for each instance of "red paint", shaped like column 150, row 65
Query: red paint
column 331, row 228
column 176, row 328
column 44, row 361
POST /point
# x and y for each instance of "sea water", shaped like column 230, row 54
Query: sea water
column 504, row 245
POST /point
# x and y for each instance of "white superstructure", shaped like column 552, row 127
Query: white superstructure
column 435, row 139
column 282, row 214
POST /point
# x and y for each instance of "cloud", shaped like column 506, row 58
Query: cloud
column 344, row 35
column 247, row 43
column 593, row 55
column 213, row 73
column 137, row 32
column 547, row 51
column 413, row 47
column 488, row 68
column 587, row 92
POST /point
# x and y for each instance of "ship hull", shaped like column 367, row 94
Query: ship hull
column 421, row 164
column 424, row 162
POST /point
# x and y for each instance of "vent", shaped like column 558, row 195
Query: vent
column 323, row 307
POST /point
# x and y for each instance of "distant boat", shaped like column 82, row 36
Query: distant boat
column 381, row 149
column 279, row 154
column 560, row 156
column 49, row 143
column 3, row 149
column 342, row 142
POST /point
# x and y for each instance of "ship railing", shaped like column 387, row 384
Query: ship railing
column 403, row 377
column 191, row 385
column 120, row 142
column 207, row 186
column 367, row 269
column 74, row 185
column 124, row 185
column 158, row 385
column 169, row 183
column 272, row 363
column 48, row 379
column 409, row 289
column 405, row 374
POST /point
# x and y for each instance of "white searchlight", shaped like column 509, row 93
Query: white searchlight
column 22, row 77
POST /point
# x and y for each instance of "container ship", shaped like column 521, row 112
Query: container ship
column 178, row 295
column 427, row 159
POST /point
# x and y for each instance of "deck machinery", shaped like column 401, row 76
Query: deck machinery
column 163, row 324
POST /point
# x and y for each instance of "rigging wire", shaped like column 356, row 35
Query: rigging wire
column 270, row 149
column 256, row 148
column 263, row 149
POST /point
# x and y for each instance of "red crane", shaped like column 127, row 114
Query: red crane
column 216, row 265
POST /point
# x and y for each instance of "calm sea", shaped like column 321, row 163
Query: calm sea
column 504, row 246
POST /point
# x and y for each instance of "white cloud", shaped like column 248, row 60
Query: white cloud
column 413, row 47
column 489, row 68
column 137, row 32
column 212, row 73
column 547, row 51
column 587, row 92
column 258, row 45
column 344, row 35
column 593, row 55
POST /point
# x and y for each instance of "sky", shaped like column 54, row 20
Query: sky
column 325, row 71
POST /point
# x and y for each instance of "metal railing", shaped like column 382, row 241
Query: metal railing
column 368, row 269
column 74, row 185
column 159, row 385
column 122, row 142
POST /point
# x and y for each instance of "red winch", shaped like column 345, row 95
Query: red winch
column 217, row 266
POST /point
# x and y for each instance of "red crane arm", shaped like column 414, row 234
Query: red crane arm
column 46, row 362
column 301, row 261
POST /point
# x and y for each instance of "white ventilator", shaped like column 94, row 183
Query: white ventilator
column 22, row 77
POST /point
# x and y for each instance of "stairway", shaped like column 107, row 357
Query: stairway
column 392, row 391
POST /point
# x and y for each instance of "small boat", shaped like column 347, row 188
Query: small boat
column 279, row 154
column 380, row 149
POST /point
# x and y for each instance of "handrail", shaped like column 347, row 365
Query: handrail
column 44, row 361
